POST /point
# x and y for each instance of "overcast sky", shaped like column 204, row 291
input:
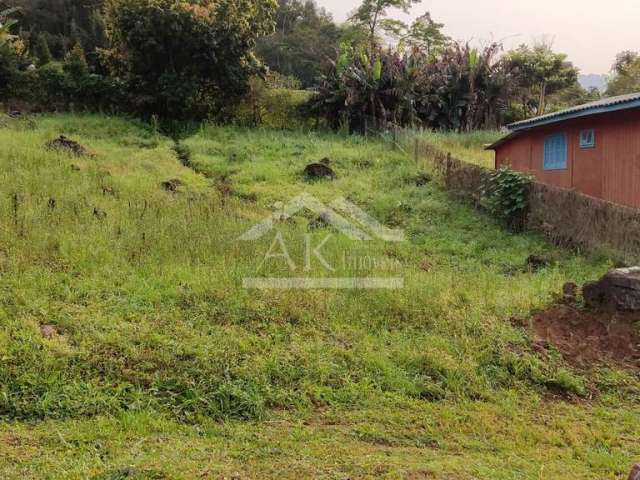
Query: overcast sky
column 591, row 32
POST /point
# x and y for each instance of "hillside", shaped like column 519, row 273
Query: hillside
column 131, row 350
column 593, row 80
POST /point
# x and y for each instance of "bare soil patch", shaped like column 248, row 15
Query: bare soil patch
column 586, row 337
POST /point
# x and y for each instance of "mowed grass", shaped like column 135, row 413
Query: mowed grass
column 164, row 366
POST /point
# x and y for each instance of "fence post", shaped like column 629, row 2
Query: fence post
column 395, row 136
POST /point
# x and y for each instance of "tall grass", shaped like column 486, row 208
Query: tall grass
column 156, row 338
column 470, row 147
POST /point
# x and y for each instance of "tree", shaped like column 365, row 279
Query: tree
column 41, row 50
column 372, row 14
column 463, row 89
column 304, row 40
column 572, row 96
column 9, row 53
column 6, row 24
column 65, row 22
column 8, row 69
column 75, row 63
column 185, row 59
column 626, row 74
column 539, row 72
column 426, row 34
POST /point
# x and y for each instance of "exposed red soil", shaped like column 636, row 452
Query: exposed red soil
column 588, row 337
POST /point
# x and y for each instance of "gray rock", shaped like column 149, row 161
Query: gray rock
column 618, row 290
column 635, row 472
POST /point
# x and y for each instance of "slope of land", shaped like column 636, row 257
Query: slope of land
column 130, row 349
column 469, row 147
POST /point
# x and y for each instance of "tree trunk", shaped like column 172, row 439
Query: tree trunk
column 543, row 98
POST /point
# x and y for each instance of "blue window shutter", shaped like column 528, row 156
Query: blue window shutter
column 555, row 152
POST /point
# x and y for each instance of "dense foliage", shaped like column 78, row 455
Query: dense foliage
column 183, row 60
column 174, row 59
column 303, row 43
column 539, row 72
column 463, row 89
column 60, row 25
column 196, row 59
column 626, row 74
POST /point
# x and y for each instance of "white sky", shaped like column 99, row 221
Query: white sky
column 591, row 32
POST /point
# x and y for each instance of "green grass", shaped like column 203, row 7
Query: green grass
column 165, row 367
column 469, row 147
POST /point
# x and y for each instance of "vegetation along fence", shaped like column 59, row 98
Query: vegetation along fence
column 565, row 216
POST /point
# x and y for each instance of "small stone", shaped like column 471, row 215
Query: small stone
column 635, row 472
column 48, row 331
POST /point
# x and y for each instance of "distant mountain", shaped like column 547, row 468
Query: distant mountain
column 593, row 81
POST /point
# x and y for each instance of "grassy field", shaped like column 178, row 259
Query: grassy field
column 469, row 147
column 161, row 365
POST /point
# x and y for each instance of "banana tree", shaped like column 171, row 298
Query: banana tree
column 6, row 23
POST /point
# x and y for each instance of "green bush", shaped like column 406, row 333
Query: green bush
column 505, row 194
column 42, row 52
column 271, row 107
column 56, row 87
column 8, row 69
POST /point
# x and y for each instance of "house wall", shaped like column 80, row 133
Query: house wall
column 610, row 171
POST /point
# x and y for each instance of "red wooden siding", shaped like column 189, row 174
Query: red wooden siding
column 610, row 171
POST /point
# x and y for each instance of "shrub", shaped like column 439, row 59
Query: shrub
column 75, row 64
column 271, row 107
column 505, row 194
column 41, row 50
column 51, row 87
column 54, row 87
